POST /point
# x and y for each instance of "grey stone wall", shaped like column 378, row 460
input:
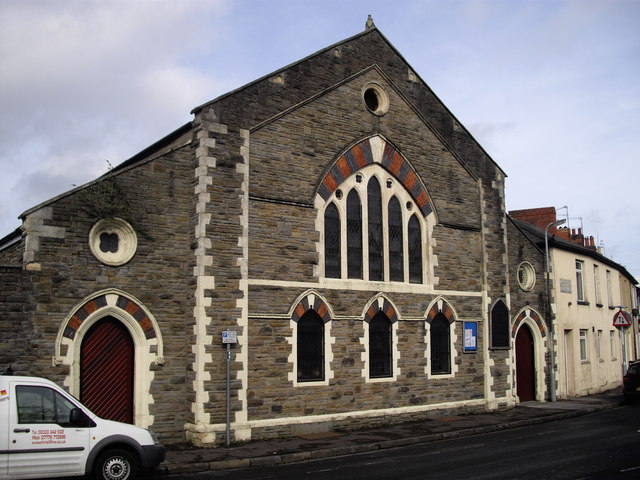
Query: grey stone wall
column 21, row 342
column 521, row 249
column 160, row 205
column 12, row 255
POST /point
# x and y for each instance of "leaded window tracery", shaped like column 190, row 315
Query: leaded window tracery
column 374, row 232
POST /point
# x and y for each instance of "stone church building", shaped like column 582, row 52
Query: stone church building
column 335, row 215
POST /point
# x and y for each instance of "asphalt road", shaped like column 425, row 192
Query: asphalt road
column 603, row 445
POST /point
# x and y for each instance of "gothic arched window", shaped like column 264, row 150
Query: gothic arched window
column 376, row 256
column 332, row 255
column 354, row 235
column 380, row 346
column 396, row 244
column 500, row 325
column 440, row 339
column 310, row 346
column 415, row 250
column 375, row 232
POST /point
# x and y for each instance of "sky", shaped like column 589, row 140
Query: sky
column 549, row 88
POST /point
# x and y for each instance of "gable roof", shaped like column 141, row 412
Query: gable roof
column 258, row 101
column 536, row 235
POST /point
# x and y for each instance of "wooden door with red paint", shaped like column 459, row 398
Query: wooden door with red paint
column 106, row 370
column 525, row 365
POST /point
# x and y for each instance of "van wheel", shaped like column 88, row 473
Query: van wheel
column 115, row 465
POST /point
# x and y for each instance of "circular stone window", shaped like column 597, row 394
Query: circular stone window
column 375, row 99
column 113, row 241
column 526, row 276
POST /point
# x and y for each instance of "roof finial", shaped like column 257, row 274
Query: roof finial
column 369, row 25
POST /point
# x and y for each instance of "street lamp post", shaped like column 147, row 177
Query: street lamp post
column 552, row 352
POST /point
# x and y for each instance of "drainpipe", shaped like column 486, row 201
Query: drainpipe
column 552, row 352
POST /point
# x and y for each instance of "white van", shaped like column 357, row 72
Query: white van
column 46, row 433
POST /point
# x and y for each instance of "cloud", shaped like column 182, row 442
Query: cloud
column 550, row 89
column 88, row 81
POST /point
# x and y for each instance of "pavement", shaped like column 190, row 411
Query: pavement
column 261, row 453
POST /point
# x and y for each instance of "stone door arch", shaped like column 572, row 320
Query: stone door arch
column 129, row 314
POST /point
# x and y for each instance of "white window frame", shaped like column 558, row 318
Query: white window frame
column 596, row 285
column 598, row 345
column 609, row 294
column 395, row 355
column 328, row 356
column 580, row 291
column 453, row 352
column 404, row 198
column 584, row 345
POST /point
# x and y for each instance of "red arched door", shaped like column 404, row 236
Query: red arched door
column 525, row 364
column 106, row 370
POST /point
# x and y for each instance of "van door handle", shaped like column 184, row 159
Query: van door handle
column 21, row 430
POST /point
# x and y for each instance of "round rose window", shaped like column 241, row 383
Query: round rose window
column 113, row 241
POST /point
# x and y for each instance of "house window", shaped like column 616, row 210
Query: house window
column 584, row 346
column 310, row 347
column 396, row 245
column 415, row 250
column 354, row 235
column 500, row 325
column 376, row 259
column 380, row 240
column 612, row 342
column 598, row 347
column 596, row 285
column 380, row 346
column 440, row 340
column 609, row 297
column 332, row 242
column 580, row 280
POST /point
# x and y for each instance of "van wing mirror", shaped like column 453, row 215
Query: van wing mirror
column 77, row 418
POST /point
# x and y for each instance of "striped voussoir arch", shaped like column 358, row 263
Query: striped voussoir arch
column 445, row 310
column 385, row 306
column 123, row 303
column 361, row 155
column 531, row 314
column 311, row 302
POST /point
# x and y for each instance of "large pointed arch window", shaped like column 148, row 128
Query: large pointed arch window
column 376, row 258
column 354, row 235
column 375, row 232
column 332, row 254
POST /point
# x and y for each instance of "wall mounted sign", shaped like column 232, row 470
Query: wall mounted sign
column 470, row 337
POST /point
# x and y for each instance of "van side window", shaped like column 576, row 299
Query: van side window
column 42, row 405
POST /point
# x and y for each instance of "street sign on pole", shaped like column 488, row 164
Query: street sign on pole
column 229, row 337
column 621, row 319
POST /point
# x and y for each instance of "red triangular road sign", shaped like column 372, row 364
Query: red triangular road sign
column 620, row 319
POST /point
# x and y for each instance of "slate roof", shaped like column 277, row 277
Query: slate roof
column 260, row 100
column 536, row 235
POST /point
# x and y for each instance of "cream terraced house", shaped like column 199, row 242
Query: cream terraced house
column 588, row 290
column 335, row 215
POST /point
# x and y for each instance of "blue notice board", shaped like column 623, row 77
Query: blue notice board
column 470, row 337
